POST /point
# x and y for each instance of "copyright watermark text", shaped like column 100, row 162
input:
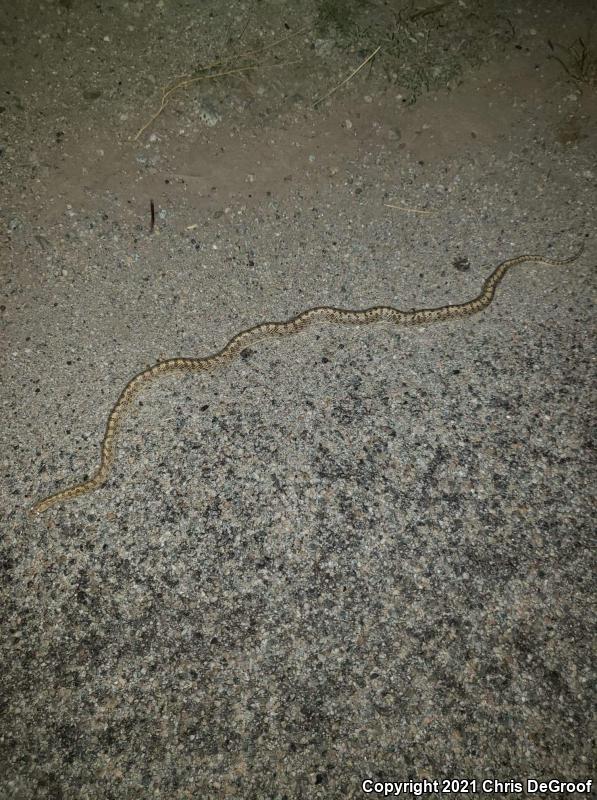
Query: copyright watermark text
column 465, row 786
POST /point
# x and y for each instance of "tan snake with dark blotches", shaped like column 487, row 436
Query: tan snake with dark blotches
column 267, row 330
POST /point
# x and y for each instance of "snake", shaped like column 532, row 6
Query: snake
column 269, row 330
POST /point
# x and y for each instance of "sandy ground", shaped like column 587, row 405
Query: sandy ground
column 356, row 553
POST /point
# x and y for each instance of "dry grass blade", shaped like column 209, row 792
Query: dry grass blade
column 408, row 208
column 169, row 91
column 424, row 12
column 181, row 81
column 268, row 46
column 352, row 74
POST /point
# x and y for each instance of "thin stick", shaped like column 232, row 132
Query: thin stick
column 407, row 208
column 352, row 74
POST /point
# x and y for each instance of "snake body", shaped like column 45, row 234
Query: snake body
column 268, row 330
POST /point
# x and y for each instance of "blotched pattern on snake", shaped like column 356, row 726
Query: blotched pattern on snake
column 267, row 330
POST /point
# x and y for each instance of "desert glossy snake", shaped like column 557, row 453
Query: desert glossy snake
column 267, row 330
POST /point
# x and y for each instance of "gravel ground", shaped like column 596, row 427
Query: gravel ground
column 356, row 553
